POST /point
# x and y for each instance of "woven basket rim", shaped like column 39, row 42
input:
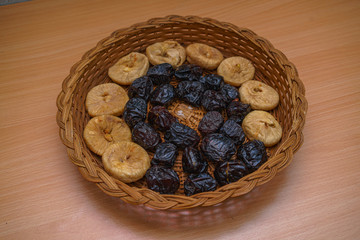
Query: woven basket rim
column 265, row 173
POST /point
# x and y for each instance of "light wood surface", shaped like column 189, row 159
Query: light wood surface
column 43, row 196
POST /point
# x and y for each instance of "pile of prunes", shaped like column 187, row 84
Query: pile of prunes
column 222, row 142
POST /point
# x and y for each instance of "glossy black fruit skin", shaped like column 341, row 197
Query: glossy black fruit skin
column 228, row 172
column 141, row 87
column 229, row 92
column 161, row 73
column 160, row 118
column 217, row 147
column 146, row 136
column 165, row 154
column 253, row 154
column 197, row 183
column 212, row 81
column 210, row 123
column 234, row 131
column 182, row 135
column 190, row 92
column 163, row 95
column 188, row 72
column 162, row 179
column 193, row 161
column 213, row 101
column 237, row 108
column 135, row 111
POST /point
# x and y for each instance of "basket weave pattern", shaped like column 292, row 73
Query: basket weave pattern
column 272, row 67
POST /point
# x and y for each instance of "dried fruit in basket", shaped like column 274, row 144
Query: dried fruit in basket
column 212, row 81
column 106, row 98
column 161, row 73
column 197, row 183
column 210, row 123
column 146, row 136
column 234, row 131
column 204, row 55
column 236, row 70
column 188, row 72
column 102, row 131
column 253, row 154
column 126, row 161
column 193, row 161
column 135, row 111
column 182, row 135
column 160, row 118
column 228, row 172
column 142, row 87
column 162, row 179
column 163, row 95
column 166, row 52
column 165, row 154
column 229, row 92
column 129, row 68
column 190, row 92
column 217, row 147
column 213, row 101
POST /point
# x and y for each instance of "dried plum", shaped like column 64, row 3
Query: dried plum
column 162, row 179
column 229, row 92
column 160, row 118
column 165, row 154
column 233, row 131
column 237, row 119
column 217, row 147
column 141, row 87
column 210, row 123
column 182, row 135
column 197, row 183
column 213, row 101
column 253, row 154
column 146, row 136
column 161, row 73
column 190, row 91
column 228, row 172
column 193, row 161
column 135, row 111
column 162, row 95
column 188, row 72
column 212, row 81
column 237, row 108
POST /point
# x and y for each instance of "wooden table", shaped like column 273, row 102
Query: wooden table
column 43, row 196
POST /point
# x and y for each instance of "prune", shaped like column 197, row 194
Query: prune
column 160, row 118
column 229, row 92
column 212, row 81
column 197, row 183
column 190, row 91
column 135, row 111
column 233, row 131
column 144, row 135
column 160, row 74
column 237, row 108
column 213, row 101
column 253, row 154
column 162, row 95
column 162, row 179
column 228, row 172
column 210, row 123
column 141, row 87
column 182, row 136
column 217, row 147
column 237, row 119
column 193, row 161
column 165, row 154
column 188, row 72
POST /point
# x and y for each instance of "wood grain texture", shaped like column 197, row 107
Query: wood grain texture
column 43, row 196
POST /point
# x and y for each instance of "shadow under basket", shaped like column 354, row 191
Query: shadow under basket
column 272, row 68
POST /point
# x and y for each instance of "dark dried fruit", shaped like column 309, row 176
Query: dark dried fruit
column 237, row 108
column 160, row 118
column 229, row 92
column 160, row 74
column 212, row 81
column 165, row 154
column 213, row 101
column 135, row 111
column 217, row 147
column 228, row 172
column 141, row 87
column 144, row 135
column 237, row 119
column 182, row 136
column 233, row 131
column 197, row 183
column 188, row 72
column 193, row 161
column 210, row 123
column 162, row 179
column 190, row 91
column 253, row 154
column 162, row 95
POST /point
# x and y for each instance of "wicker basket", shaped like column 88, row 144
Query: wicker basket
column 272, row 67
